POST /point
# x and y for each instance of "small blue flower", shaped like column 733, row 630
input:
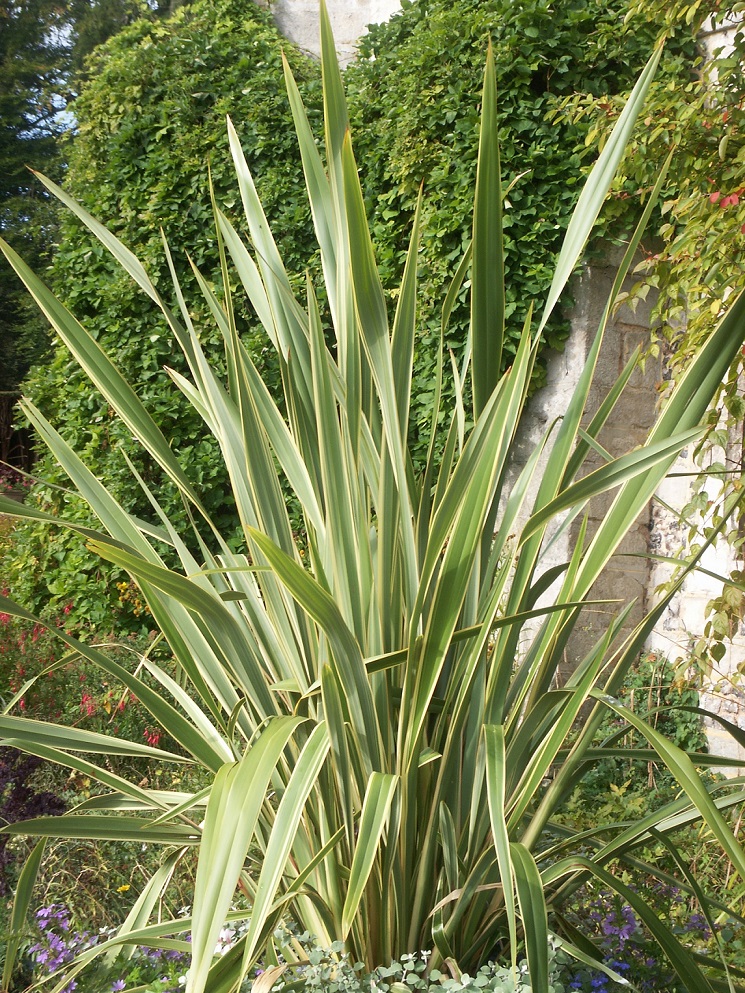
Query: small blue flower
column 620, row 966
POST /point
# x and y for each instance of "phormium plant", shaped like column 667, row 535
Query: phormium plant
column 373, row 698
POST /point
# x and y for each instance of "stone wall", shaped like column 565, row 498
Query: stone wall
column 658, row 531
column 684, row 621
column 625, row 579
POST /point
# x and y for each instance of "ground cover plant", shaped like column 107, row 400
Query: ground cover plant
column 57, row 943
column 626, row 787
column 372, row 697
column 628, row 947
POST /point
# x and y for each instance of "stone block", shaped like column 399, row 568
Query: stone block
column 298, row 20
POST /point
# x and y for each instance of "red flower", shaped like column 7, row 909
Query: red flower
column 87, row 704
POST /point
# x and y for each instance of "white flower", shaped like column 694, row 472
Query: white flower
column 225, row 941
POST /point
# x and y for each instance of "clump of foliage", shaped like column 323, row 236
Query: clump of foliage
column 628, row 947
column 348, row 688
column 328, row 970
column 47, row 684
column 19, row 801
column 44, row 683
column 331, row 970
column 57, row 943
column 703, row 120
column 12, row 479
column 628, row 787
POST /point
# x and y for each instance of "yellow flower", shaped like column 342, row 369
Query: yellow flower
column 123, row 889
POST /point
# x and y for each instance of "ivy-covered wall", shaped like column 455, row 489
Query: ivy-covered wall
column 151, row 131
column 151, row 121
column 415, row 93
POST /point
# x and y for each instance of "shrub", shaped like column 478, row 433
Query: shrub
column 11, row 479
column 19, row 801
column 627, row 945
column 414, row 94
column 47, row 684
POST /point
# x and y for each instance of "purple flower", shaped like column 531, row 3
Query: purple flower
column 118, row 984
column 697, row 922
